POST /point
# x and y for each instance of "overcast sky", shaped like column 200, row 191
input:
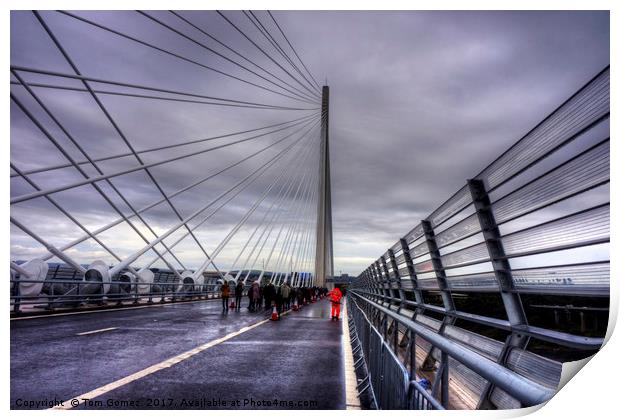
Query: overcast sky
column 420, row 101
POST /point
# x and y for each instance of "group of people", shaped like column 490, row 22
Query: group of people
column 225, row 294
column 281, row 297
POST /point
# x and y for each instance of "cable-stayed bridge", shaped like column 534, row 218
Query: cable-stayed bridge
column 129, row 219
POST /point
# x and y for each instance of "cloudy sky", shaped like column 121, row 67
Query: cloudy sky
column 420, row 101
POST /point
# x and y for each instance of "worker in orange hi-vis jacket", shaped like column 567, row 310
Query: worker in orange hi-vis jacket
column 335, row 296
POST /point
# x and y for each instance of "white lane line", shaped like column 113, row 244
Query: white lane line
column 97, row 331
column 153, row 306
column 69, row 403
column 353, row 401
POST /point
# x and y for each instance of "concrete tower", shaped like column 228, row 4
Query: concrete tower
column 324, row 264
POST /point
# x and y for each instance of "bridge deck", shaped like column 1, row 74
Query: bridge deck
column 181, row 351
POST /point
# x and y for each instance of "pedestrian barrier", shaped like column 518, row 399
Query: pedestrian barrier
column 70, row 291
column 513, row 267
column 385, row 375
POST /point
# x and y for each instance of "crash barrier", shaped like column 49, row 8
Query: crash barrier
column 515, row 265
column 385, row 376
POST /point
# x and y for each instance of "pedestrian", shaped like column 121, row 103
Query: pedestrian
column 261, row 296
column 270, row 295
column 251, row 298
column 278, row 300
column 238, row 295
column 225, row 293
column 301, row 296
column 286, row 295
column 292, row 296
column 256, row 296
column 335, row 297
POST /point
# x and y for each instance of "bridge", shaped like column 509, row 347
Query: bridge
column 138, row 225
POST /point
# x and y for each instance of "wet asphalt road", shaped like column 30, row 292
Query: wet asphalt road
column 296, row 361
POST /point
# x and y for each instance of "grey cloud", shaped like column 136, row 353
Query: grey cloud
column 420, row 101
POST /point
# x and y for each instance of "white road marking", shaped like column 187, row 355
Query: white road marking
column 353, row 401
column 69, row 403
column 97, row 331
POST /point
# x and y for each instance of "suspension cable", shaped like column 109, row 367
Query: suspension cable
column 296, row 92
column 180, row 57
column 266, row 54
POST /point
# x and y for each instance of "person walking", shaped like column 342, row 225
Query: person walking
column 278, row 300
column 238, row 295
column 286, row 295
column 251, row 298
column 262, row 297
column 301, row 296
column 335, row 296
column 270, row 295
column 256, row 295
column 225, row 293
column 292, row 296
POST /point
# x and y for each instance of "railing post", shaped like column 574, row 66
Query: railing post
column 384, row 326
column 440, row 274
column 50, row 297
column 373, row 282
column 371, row 279
column 501, row 266
column 412, row 367
column 387, row 283
column 150, row 290
column 379, row 278
column 503, row 274
column 445, row 379
column 16, row 299
column 395, row 336
column 401, row 295
column 417, row 295
column 412, row 275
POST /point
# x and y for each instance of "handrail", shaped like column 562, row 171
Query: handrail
column 526, row 391
column 417, row 397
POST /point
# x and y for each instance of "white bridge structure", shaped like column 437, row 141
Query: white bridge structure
column 269, row 181
column 156, row 155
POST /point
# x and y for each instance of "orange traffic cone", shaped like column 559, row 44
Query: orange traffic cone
column 274, row 314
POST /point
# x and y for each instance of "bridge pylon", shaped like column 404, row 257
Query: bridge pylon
column 324, row 262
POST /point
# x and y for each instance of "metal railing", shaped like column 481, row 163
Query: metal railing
column 525, row 390
column 71, row 293
column 60, row 286
column 497, row 267
column 386, row 377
